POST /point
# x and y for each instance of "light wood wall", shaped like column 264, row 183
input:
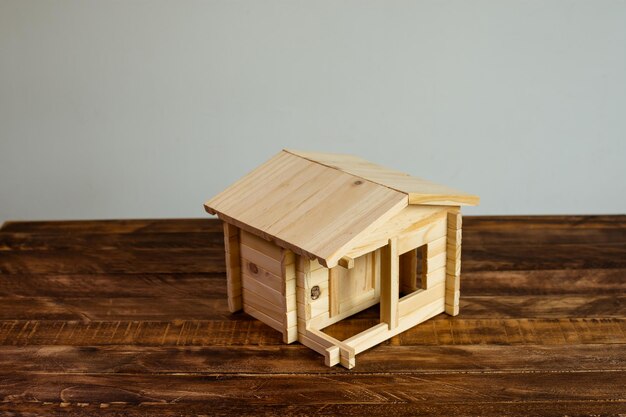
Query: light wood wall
column 299, row 297
column 268, row 281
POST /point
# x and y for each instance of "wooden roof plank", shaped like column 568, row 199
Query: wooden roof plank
column 307, row 207
column 420, row 191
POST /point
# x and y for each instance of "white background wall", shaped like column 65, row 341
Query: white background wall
column 117, row 109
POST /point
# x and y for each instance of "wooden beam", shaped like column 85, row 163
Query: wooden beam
column 347, row 353
column 389, row 284
column 368, row 338
column 413, row 302
column 346, row 262
column 453, row 263
column 290, row 325
column 334, row 275
column 233, row 267
column 332, row 356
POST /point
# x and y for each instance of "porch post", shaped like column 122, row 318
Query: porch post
column 389, row 283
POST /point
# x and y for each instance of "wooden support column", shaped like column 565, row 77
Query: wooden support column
column 334, row 275
column 389, row 284
column 288, row 268
column 233, row 267
column 453, row 263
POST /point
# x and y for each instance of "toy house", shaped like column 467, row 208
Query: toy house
column 313, row 238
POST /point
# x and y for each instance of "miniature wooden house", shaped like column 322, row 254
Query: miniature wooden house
column 313, row 238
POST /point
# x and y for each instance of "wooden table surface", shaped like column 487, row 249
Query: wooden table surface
column 130, row 318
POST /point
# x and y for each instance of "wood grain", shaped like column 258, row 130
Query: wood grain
column 293, row 201
column 312, row 389
column 131, row 318
column 208, row 360
column 420, row 191
column 242, row 408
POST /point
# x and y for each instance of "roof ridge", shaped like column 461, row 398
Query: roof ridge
column 345, row 172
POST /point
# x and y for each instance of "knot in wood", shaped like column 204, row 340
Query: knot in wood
column 315, row 292
column 253, row 268
column 358, row 182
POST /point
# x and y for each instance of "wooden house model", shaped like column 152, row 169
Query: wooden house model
column 313, row 238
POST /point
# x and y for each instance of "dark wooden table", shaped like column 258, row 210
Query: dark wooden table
column 130, row 318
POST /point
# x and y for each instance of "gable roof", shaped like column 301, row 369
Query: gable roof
column 308, row 206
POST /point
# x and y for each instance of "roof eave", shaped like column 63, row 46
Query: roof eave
column 444, row 200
